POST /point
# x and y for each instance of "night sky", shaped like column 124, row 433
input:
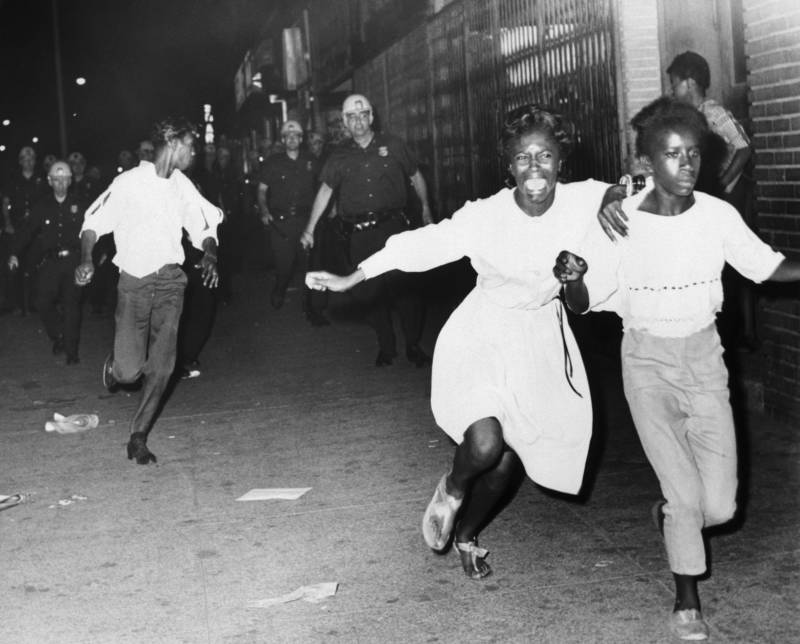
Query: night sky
column 143, row 59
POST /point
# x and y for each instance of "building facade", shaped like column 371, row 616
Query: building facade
column 772, row 46
column 443, row 73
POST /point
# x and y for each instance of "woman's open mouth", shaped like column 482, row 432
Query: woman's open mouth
column 535, row 184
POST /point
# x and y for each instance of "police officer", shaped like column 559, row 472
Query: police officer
column 146, row 151
column 82, row 185
column 125, row 161
column 285, row 193
column 205, row 176
column 24, row 189
column 56, row 222
column 231, row 232
column 47, row 163
column 371, row 172
column 327, row 252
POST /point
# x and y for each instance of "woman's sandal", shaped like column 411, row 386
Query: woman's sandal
column 473, row 559
column 439, row 517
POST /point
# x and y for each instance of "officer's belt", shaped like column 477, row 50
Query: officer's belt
column 282, row 214
column 60, row 253
column 371, row 219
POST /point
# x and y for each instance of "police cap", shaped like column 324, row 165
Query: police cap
column 60, row 169
column 356, row 103
column 291, row 127
column 76, row 157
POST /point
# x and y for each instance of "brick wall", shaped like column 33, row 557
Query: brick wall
column 639, row 62
column 772, row 35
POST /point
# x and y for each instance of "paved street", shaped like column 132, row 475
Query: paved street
column 102, row 550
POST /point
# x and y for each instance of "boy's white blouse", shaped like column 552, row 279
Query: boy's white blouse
column 665, row 276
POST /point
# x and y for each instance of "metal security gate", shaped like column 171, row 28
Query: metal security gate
column 447, row 86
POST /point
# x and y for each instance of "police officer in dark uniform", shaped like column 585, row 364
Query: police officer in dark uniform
column 285, row 194
column 23, row 190
column 199, row 302
column 326, row 253
column 371, row 172
column 20, row 195
column 55, row 222
column 82, row 185
column 257, row 253
column 102, row 290
column 231, row 231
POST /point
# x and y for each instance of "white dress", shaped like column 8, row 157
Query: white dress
column 502, row 352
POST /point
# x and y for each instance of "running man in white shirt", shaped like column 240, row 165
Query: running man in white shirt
column 147, row 208
column 664, row 280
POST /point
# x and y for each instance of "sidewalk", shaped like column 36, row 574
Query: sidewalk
column 102, row 550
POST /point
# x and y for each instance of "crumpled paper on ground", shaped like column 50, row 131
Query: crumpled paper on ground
column 69, row 501
column 314, row 593
column 71, row 424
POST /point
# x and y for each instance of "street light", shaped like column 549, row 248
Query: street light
column 273, row 98
column 35, row 139
column 62, row 121
column 80, row 80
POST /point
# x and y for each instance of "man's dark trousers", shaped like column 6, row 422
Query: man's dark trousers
column 145, row 342
column 57, row 286
column 285, row 241
column 392, row 290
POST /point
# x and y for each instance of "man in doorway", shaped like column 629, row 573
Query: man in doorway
column 725, row 173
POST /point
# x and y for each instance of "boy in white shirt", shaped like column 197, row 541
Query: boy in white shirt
column 664, row 281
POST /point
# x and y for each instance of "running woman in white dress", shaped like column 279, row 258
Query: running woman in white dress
column 508, row 382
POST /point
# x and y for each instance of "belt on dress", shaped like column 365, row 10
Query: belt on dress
column 568, row 370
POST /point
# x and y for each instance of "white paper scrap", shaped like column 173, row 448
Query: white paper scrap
column 282, row 493
column 314, row 593
column 9, row 500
